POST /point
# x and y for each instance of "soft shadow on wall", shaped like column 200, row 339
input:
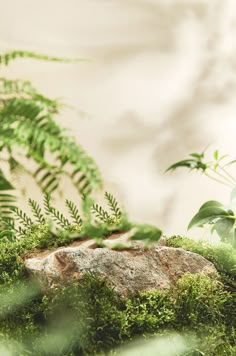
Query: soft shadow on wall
column 159, row 85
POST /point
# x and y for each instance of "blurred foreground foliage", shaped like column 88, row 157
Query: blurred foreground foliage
column 88, row 317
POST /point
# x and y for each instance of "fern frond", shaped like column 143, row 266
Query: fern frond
column 113, row 204
column 47, row 203
column 28, row 123
column 57, row 216
column 5, row 58
column 6, row 200
column 22, row 217
column 37, row 211
column 74, row 212
column 47, row 178
column 101, row 214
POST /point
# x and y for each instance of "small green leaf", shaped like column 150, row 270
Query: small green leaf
column 147, row 232
column 216, row 155
column 197, row 155
column 207, row 215
column 188, row 163
column 211, row 203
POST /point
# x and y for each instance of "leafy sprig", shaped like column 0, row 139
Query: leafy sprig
column 57, row 216
column 37, row 211
column 101, row 213
column 113, row 204
column 74, row 212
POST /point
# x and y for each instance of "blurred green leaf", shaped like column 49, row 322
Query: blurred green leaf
column 207, row 215
column 147, row 232
column 216, row 154
column 211, row 203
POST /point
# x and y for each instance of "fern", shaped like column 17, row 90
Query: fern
column 74, row 212
column 101, row 214
column 22, row 217
column 5, row 58
column 6, row 200
column 113, row 204
column 57, row 216
column 37, row 211
column 62, row 231
column 28, row 127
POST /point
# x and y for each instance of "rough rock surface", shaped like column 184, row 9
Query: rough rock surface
column 128, row 271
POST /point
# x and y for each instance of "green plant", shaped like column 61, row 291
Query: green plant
column 214, row 169
column 53, row 228
column 223, row 220
column 148, row 312
column 29, row 130
column 115, row 215
column 199, row 300
column 93, row 311
column 49, row 215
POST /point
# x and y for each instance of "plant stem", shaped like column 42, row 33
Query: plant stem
column 218, row 180
column 222, row 176
column 228, row 174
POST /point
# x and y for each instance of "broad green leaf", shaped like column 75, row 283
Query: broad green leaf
column 224, row 227
column 211, row 203
column 207, row 215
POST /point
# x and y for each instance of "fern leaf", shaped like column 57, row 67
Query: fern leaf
column 37, row 211
column 113, row 204
column 7, row 201
column 22, row 217
column 74, row 212
column 56, row 215
column 5, row 58
column 101, row 214
column 47, row 178
column 28, row 122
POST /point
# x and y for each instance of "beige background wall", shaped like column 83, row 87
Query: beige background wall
column 160, row 83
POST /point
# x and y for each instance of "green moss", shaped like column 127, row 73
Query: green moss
column 88, row 317
column 199, row 300
column 148, row 312
column 93, row 312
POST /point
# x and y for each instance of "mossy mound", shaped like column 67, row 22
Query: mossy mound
column 88, row 317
